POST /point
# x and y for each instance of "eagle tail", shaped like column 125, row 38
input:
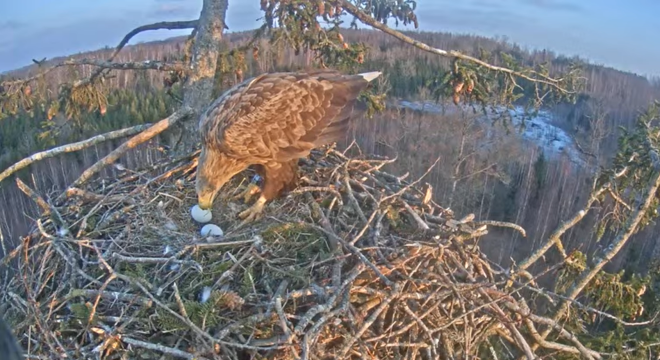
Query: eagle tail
column 371, row 76
column 345, row 105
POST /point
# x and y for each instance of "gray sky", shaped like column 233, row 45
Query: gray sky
column 621, row 34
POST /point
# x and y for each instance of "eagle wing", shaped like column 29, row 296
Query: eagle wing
column 282, row 116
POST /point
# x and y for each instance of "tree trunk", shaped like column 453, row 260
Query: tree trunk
column 198, row 87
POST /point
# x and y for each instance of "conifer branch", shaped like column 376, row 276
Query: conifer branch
column 534, row 76
column 101, row 64
column 144, row 65
column 622, row 238
column 77, row 146
column 555, row 237
column 136, row 140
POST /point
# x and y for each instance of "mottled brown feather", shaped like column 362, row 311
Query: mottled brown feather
column 271, row 121
column 281, row 116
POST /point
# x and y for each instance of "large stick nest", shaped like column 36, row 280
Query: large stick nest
column 355, row 263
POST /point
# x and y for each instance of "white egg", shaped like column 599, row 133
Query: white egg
column 211, row 230
column 200, row 215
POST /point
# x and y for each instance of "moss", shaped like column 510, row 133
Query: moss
column 296, row 241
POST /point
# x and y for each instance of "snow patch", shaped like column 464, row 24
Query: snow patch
column 538, row 129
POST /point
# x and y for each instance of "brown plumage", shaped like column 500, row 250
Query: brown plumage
column 270, row 122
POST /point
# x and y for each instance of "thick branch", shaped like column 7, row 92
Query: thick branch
column 368, row 20
column 631, row 227
column 164, row 25
column 136, row 140
column 71, row 148
column 143, row 65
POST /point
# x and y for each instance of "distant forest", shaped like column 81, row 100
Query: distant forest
column 506, row 180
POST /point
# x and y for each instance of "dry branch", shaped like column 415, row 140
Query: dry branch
column 136, row 140
column 163, row 25
column 71, row 148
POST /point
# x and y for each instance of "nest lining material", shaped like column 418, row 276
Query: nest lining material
column 355, row 263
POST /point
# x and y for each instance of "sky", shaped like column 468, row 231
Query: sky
column 620, row 34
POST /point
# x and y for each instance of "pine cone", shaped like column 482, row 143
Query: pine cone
column 458, row 87
column 470, row 86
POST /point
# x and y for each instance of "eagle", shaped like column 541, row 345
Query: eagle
column 268, row 123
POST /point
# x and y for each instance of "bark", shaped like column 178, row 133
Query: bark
column 198, row 87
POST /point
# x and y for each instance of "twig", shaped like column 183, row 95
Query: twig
column 505, row 224
column 109, row 295
column 89, row 196
column 45, row 207
column 161, row 348
column 396, row 289
column 179, row 301
column 555, row 237
column 421, row 224
column 155, row 260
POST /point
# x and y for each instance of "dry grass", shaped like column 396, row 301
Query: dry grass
column 356, row 263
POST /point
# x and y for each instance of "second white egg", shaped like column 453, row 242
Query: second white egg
column 211, row 230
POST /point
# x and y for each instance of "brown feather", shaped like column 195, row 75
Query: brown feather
column 272, row 120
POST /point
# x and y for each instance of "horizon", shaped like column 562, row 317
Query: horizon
column 609, row 32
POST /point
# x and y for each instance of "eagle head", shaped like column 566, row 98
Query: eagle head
column 214, row 169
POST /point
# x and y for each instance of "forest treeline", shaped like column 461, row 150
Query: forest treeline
column 506, row 180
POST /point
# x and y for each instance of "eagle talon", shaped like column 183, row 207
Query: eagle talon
column 254, row 212
column 247, row 194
